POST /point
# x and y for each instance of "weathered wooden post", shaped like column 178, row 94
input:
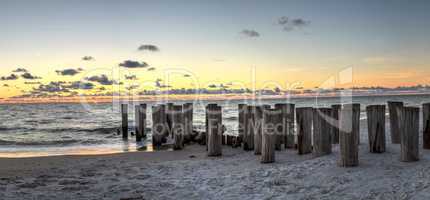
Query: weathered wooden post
column 335, row 123
column 394, row 108
column 270, row 119
column 214, row 115
column 258, row 119
column 304, row 130
column 249, row 130
column 188, row 121
column 426, row 126
column 348, row 135
column 177, row 127
column 169, row 118
column 376, row 128
column 159, row 126
column 409, row 134
column 140, row 121
column 289, row 137
column 322, row 131
column 244, row 126
column 124, row 117
column 280, row 138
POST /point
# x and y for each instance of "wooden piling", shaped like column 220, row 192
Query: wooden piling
column 394, row 108
column 159, row 125
column 270, row 119
column 124, row 124
column 250, row 129
column 214, row 115
column 290, row 116
column 322, row 131
column 178, row 127
column 280, row 138
column 169, row 118
column 304, row 118
column 258, row 120
column 244, row 127
column 140, row 121
column 409, row 134
column 188, row 121
column 426, row 126
column 348, row 135
column 335, row 123
column 376, row 128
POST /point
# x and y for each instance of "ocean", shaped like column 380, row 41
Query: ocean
column 69, row 129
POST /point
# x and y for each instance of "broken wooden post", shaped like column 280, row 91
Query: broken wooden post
column 289, row 137
column 159, row 126
column 214, row 116
column 394, row 108
column 140, row 121
column 376, row 128
column 188, row 121
column 322, row 131
column 348, row 135
column 124, row 117
column 280, row 138
column 409, row 134
column 270, row 120
column 426, row 126
column 335, row 123
column 177, row 127
column 304, row 130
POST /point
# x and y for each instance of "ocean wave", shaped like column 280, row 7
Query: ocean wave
column 40, row 143
column 102, row 130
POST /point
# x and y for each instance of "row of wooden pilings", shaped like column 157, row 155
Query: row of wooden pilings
column 264, row 129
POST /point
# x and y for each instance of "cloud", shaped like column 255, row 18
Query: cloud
column 101, row 79
column 160, row 85
column 52, row 87
column 81, row 85
column 132, row 77
column 19, row 70
column 32, row 83
column 69, row 72
column 9, row 78
column 133, row 64
column 88, row 58
column 27, row 75
column 151, row 69
column 290, row 24
column 148, row 47
column 5, row 85
column 250, row 33
column 132, row 87
column 187, row 75
column 212, row 86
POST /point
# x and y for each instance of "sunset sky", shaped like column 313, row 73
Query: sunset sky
column 301, row 43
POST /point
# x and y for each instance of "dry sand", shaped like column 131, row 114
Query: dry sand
column 189, row 174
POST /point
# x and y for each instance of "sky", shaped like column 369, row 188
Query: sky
column 194, row 44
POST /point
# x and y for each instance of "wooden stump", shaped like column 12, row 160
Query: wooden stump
column 395, row 108
column 140, row 122
column 409, row 134
column 244, row 126
column 335, row 123
column 188, row 121
column 426, row 126
column 280, row 138
column 124, row 124
column 159, row 126
column 304, row 130
column 289, row 137
column 322, row 131
column 348, row 135
column 250, row 129
column 376, row 128
column 270, row 119
column 215, row 135
column 178, row 127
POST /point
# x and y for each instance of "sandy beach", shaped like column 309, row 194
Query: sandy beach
column 190, row 174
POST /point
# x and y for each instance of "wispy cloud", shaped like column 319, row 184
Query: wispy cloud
column 9, row 78
column 250, row 33
column 133, row 64
column 290, row 24
column 19, row 70
column 151, row 69
column 69, row 72
column 88, row 58
column 132, row 77
column 101, row 79
column 27, row 75
column 148, row 47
